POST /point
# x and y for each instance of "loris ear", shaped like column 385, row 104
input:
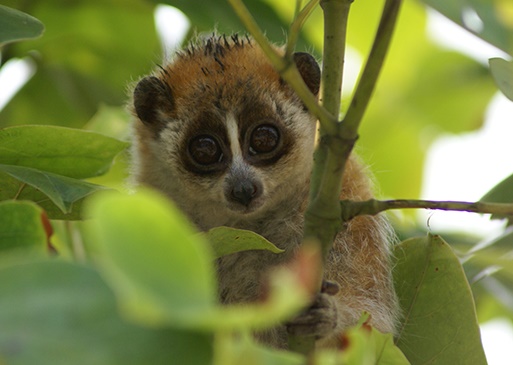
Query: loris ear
column 309, row 70
column 152, row 99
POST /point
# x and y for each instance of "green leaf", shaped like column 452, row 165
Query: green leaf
column 439, row 324
column 21, row 225
column 59, row 313
column 227, row 240
column 501, row 193
column 163, row 273
column 63, row 191
column 16, row 26
column 12, row 188
column 64, row 151
column 502, row 72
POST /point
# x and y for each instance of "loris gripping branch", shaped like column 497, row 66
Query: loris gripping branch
column 223, row 136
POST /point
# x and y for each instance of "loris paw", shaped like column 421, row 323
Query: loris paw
column 320, row 319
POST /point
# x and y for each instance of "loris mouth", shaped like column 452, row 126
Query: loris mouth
column 244, row 209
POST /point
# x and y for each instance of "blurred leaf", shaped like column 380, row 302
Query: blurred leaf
column 163, row 273
column 363, row 345
column 439, row 321
column 227, row 240
column 70, row 152
column 91, row 51
column 58, row 313
column 112, row 121
column 452, row 92
column 21, row 225
column 16, row 25
column 482, row 18
column 63, row 191
column 502, row 72
column 151, row 257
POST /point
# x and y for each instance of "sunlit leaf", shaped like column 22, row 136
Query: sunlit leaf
column 439, row 324
column 16, row 25
column 64, row 151
column 58, row 313
column 227, row 240
column 21, row 225
column 502, row 72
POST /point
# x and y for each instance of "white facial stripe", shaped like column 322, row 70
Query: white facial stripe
column 233, row 135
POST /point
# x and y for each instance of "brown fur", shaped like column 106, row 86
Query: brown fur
column 224, row 87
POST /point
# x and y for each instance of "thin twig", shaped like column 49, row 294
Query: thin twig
column 297, row 25
column 353, row 209
column 285, row 67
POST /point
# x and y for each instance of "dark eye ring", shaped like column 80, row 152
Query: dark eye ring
column 205, row 150
column 264, row 139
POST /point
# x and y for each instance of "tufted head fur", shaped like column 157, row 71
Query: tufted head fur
column 222, row 134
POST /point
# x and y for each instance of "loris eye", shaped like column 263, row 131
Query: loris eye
column 205, row 150
column 264, row 139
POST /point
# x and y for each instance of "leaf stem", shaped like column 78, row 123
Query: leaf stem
column 22, row 186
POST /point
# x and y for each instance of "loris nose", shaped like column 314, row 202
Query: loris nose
column 245, row 191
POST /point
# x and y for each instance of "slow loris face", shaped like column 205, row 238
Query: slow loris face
column 222, row 134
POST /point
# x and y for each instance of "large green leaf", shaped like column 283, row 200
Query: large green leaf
column 21, row 225
column 439, row 324
column 227, row 240
column 59, row 313
column 70, row 152
column 151, row 257
column 163, row 273
column 62, row 191
column 16, row 25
